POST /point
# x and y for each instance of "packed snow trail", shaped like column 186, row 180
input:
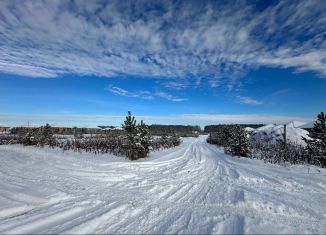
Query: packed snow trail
column 193, row 188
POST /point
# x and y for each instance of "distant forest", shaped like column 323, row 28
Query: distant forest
column 180, row 130
column 216, row 128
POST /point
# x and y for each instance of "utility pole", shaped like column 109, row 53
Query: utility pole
column 284, row 136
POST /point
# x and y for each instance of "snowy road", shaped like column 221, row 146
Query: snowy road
column 193, row 188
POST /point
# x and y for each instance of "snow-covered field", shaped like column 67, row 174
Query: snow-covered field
column 193, row 188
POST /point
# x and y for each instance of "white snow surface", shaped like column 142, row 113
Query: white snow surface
column 249, row 129
column 307, row 125
column 193, row 188
column 295, row 124
column 272, row 132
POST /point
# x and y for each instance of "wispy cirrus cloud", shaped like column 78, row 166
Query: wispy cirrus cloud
column 249, row 100
column 168, row 96
column 161, row 39
column 144, row 94
column 140, row 94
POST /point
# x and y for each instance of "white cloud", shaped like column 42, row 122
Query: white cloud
column 156, row 39
column 141, row 94
column 169, row 96
column 144, row 94
column 185, row 119
column 249, row 100
column 239, row 118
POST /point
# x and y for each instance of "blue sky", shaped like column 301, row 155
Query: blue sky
column 182, row 62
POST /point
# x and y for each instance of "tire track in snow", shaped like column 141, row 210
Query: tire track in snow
column 193, row 188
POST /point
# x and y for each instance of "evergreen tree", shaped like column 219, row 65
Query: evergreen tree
column 316, row 146
column 28, row 136
column 237, row 141
column 47, row 132
column 44, row 136
column 130, row 126
column 77, row 132
column 143, row 132
column 138, row 146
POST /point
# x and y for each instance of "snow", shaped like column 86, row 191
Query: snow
column 193, row 188
column 249, row 129
column 109, row 128
column 91, row 127
column 60, row 125
column 295, row 124
column 266, row 127
column 113, row 128
column 307, row 125
column 273, row 132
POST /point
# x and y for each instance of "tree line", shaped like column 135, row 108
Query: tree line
column 181, row 130
column 134, row 142
column 217, row 128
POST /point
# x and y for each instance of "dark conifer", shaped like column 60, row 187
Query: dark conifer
column 316, row 146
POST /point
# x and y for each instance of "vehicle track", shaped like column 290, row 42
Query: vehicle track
column 193, row 188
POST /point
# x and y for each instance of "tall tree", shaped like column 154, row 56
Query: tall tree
column 316, row 146
column 143, row 132
column 130, row 125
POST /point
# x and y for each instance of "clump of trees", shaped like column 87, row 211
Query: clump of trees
column 217, row 128
column 278, row 152
column 111, row 143
column 237, row 142
column 35, row 136
column 233, row 138
column 180, row 130
column 140, row 142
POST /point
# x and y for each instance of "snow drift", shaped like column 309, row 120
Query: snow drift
column 272, row 133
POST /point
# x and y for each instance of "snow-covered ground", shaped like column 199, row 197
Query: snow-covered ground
column 193, row 188
column 272, row 132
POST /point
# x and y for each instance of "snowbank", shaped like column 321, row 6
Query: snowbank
column 274, row 132
column 307, row 125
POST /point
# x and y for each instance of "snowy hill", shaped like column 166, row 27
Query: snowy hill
column 191, row 189
column 307, row 125
column 295, row 124
column 274, row 132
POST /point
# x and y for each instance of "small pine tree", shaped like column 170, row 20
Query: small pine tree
column 28, row 136
column 238, row 143
column 130, row 126
column 143, row 132
column 136, row 135
column 77, row 133
column 316, row 146
column 44, row 135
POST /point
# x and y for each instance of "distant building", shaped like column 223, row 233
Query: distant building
column 61, row 129
column 4, row 128
column 91, row 129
